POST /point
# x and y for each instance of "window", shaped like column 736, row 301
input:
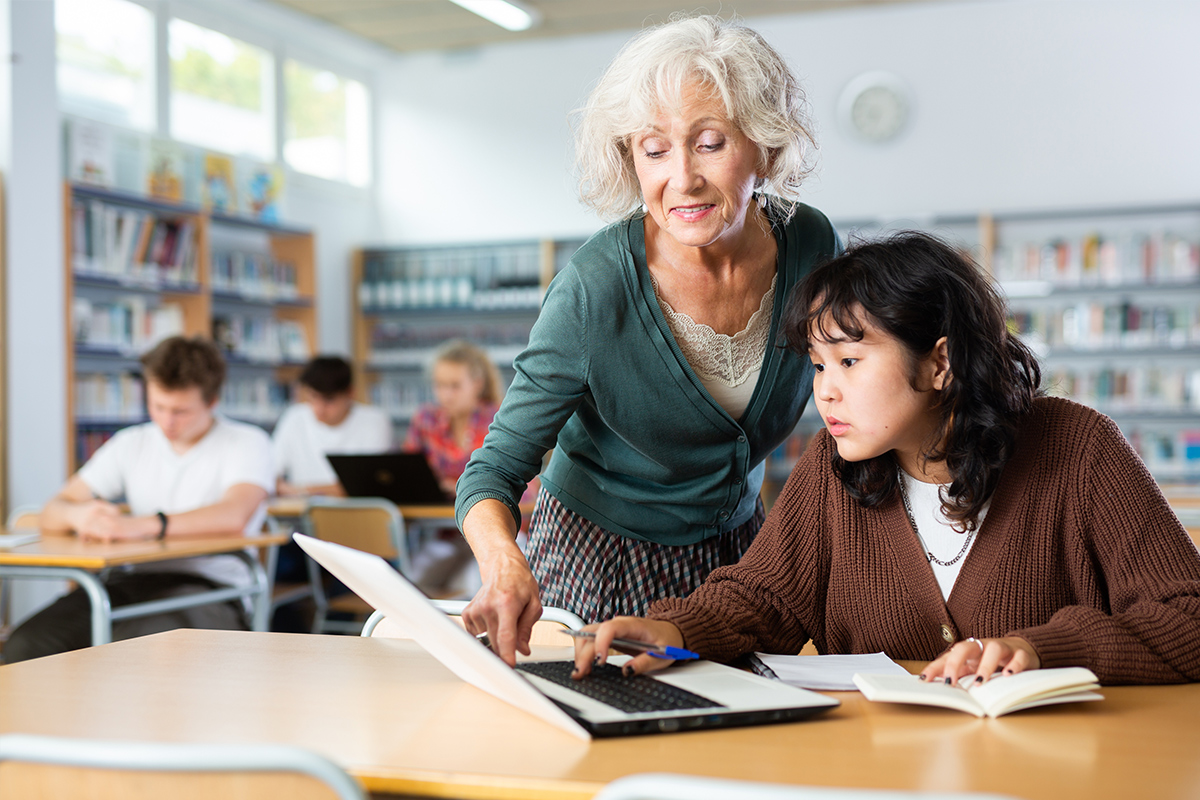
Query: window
column 105, row 54
column 327, row 124
column 222, row 92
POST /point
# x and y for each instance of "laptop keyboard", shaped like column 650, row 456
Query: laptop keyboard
column 632, row 694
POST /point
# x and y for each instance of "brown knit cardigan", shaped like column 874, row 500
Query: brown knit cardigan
column 1079, row 554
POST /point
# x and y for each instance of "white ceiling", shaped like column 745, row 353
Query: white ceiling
column 413, row 25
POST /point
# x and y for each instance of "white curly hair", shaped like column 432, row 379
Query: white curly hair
column 654, row 70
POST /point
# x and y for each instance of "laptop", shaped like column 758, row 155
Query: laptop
column 686, row 696
column 403, row 478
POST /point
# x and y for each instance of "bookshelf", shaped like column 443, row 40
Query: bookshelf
column 139, row 270
column 407, row 301
column 1109, row 300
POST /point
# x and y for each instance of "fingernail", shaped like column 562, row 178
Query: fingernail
column 949, row 681
column 922, row 676
column 574, row 672
column 1008, row 672
column 626, row 671
column 596, row 660
column 978, row 679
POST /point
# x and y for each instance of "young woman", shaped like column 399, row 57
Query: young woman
column 947, row 512
column 467, row 390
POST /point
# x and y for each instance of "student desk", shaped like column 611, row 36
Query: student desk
column 403, row 724
column 67, row 557
column 417, row 516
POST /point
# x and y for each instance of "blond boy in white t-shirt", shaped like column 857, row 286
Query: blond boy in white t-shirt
column 185, row 473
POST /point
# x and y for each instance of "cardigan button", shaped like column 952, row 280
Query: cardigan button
column 741, row 438
column 947, row 634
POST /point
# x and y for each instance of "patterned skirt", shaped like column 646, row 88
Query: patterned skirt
column 597, row 574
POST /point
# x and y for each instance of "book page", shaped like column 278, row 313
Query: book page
column 911, row 689
column 1005, row 693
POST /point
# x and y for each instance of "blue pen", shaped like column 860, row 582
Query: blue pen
column 630, row 647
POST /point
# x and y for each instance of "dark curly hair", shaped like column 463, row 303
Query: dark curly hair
column 917, row 289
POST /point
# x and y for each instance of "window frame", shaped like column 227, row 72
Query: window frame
column 237, row 22
column 157, row 75
column 313, row 59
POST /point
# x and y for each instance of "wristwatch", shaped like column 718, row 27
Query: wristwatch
column 162, row 529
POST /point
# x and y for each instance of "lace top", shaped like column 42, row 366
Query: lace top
column 728, row 366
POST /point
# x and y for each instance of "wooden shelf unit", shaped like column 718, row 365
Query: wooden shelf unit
column 1164, row 426
column 1156, row 428
column 487, row 293
column 121, row 276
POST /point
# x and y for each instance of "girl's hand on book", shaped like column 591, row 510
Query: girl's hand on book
column 979, row 659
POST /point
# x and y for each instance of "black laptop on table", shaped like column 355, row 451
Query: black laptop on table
column 685, row 697
column 403, row 478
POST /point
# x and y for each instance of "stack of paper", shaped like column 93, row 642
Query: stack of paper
column 831, row 673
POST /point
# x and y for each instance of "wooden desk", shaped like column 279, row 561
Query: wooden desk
column 67, row 557
column 403, row 724
column 291, row 507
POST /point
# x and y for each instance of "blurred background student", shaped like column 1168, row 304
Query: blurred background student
column 467, row 392
column 326, row 420
column 187, row 472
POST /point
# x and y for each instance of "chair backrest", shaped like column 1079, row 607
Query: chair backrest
column 545, row 630
column 24, row 517
column 370, row 524
column 666, row 786
column 46, row 768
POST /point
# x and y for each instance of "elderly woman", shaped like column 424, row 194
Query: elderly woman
column 654, row 370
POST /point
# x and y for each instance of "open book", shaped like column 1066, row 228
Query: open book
column 1000, row 695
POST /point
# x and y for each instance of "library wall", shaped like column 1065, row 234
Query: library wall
column 34, row 335
column 1018, row 105
column 343, row 219
column 36, row 380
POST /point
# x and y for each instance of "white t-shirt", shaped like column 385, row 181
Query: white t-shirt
column 301, row 441
column 937, row 533
column 138, row 464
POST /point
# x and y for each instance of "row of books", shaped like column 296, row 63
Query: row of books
column 109, row 397
column 132, row 245
column 1099, row 260
column 262, row 340
column 486, row 266
column 390, row 334
column 87, row 442
column 401, row 397
column 254, row 275
column 255, row 399
column 447, row 293
column 499, row 277
column 110, row 157
column 120, row 398
column 129, row 324
column 1112, row 325
column 1142, row 388
column 1171, row 454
